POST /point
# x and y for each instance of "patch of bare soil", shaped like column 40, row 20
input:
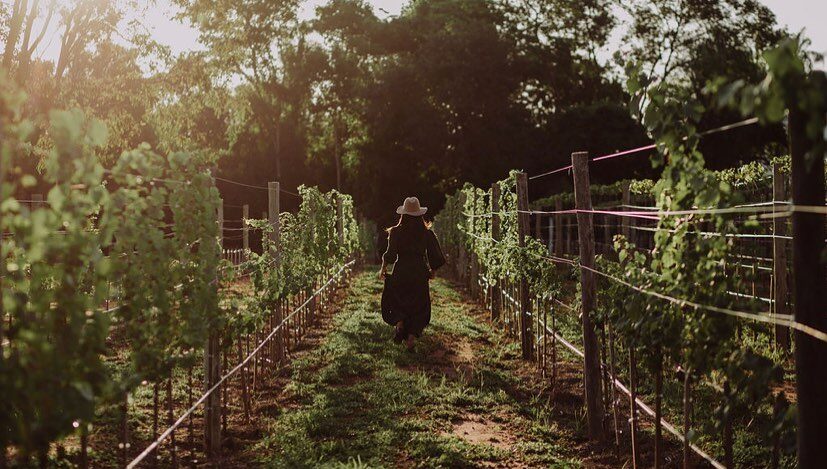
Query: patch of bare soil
column 477, row 429
column 454, row 361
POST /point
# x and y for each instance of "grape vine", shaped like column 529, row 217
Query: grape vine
column 128, row 258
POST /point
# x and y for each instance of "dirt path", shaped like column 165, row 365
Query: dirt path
column 462, row 398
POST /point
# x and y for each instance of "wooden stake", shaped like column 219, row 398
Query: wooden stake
column 496, row 290
column 190, row 426
column 212, row 407
column 154, row 460
column 780, row 287
column 340, row 219
column 553, row 350
column 546, row 306
column 273, row 207
column 538, row 329
column 607, row 385
column 170, row 421
column 245, row 215
column 626, row 198
column 212, row 372
column 124, row 429
column 273, row 211
column 523, row 218
column 615, row 418
column 245, row 394
column 585, row 234
column 808, row 291
column 687, row 418
column 658, row 410
column 220, row 217
column 633, row 405
column 225, row 388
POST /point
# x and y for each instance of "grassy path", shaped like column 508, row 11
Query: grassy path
column 359, row 400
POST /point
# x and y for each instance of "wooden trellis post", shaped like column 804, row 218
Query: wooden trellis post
column 496, row 234
column 523, row 231
column 212, row 372
column 808, row 293
column 625, row 200
column 245, row 215
column 591, row 349
column 340, row 219
column 273, row 211
column 780, row 288
column 633, row 421
column 220, row 218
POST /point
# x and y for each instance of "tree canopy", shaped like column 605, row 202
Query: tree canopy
column 384, row 107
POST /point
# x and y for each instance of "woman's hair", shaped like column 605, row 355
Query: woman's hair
column 410, row 223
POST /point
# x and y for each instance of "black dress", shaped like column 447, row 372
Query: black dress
column 406, row 296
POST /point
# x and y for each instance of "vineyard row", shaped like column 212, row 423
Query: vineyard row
column 118, row 299
column 663, row 274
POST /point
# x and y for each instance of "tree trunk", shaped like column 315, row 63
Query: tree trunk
column 18, row 14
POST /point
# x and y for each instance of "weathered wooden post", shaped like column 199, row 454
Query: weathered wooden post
column 273, row 210
column 245, row 215
column 780, row 288
column 212, row 369
column 496, row 234
column 523, row 231
column 633, row 421
column 808, row 293
column 626, row 198
column 591, row 349
column 220, row 218
column 340, row 219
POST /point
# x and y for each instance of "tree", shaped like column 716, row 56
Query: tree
column 109, row 84
column 257, row 41
column 196, row 114
column 672, row 41
column 79, row 24
column 338, row 102
column 688, row 44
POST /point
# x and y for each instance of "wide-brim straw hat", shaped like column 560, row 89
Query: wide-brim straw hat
column 411, row 207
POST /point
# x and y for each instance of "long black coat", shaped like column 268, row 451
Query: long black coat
column 406, row 296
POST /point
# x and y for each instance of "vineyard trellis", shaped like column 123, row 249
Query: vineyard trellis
column 115, row 286
column 680, row 264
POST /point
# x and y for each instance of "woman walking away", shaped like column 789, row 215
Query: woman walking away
column 415, row 251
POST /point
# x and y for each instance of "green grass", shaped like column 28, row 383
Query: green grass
column 361, row 400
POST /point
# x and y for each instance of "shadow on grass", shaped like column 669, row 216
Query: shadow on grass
column 364, row 401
